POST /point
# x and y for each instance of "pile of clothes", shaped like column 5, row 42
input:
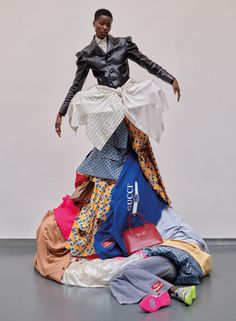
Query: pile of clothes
column 80, row 242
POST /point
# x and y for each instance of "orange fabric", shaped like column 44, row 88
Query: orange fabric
column 52, row 258
column 142, row 146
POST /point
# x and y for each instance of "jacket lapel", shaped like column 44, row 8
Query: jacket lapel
column 95, row 48
column 111, row 43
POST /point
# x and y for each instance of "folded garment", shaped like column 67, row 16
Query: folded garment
column 79, row 179
column 189, row 271
column 172, row 227
column 82, row 193
column 97, row 272
column 51, row 258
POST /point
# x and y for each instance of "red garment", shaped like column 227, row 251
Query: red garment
column 79, row 179
column 90, row 257
column 65, row 215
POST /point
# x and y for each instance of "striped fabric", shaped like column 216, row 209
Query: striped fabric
column 101, row 109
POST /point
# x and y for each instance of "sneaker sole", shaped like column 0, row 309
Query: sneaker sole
column 152, row 304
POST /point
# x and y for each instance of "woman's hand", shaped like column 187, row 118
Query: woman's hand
column 176, row 88
column 58, row 124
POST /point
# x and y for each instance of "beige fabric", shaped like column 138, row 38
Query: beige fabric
column 203, row 258
column 52, row 258
column 101, row 109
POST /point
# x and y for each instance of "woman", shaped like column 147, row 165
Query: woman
column 107, row 57
column 110, row 69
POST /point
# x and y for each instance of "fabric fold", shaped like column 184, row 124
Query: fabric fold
column 101, row 109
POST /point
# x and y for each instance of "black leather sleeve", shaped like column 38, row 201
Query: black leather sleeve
column 135, row 55
column 80, row 77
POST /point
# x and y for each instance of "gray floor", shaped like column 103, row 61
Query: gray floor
column 25, row 295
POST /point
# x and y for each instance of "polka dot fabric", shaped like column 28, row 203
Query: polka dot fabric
column 146, row 159
column 81, row 237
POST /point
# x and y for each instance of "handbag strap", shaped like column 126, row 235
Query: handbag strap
column 133, row 215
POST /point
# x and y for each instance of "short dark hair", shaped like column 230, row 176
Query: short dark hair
column 102, row 12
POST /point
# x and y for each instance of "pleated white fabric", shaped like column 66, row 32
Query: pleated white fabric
column 101, row 109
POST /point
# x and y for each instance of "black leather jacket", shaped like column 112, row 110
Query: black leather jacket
column 110, row 69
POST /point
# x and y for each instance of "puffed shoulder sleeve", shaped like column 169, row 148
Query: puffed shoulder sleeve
column 135, row 55
column 80, row 77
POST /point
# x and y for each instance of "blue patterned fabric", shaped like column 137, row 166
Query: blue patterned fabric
column 108, row 162
column 189, row 271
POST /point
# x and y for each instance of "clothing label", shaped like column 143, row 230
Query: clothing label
column 157, row 286
column 107, row 243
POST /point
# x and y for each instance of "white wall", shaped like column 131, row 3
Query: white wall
column 193, row 40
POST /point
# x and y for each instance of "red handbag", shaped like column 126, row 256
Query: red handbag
column 136, row 238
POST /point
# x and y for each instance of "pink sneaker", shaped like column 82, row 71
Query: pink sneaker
column 152, row 303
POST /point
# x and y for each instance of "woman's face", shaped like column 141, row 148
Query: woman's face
column 102, row 26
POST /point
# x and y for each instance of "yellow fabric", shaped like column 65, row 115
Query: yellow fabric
column 81, row 237
column 146, row 159
column 203, row 258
